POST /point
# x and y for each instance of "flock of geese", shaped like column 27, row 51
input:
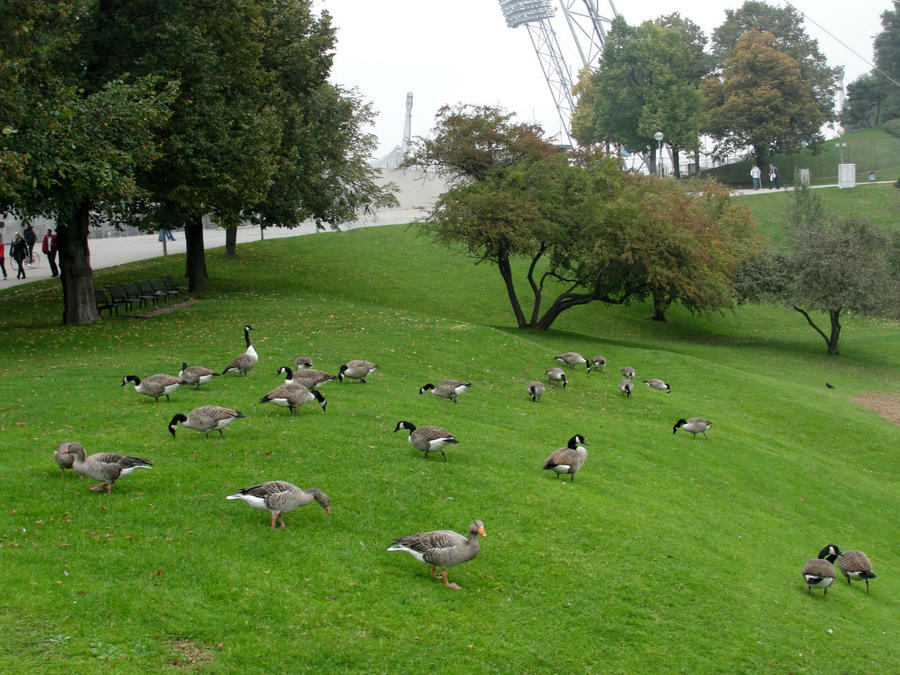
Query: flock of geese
column 441, row 549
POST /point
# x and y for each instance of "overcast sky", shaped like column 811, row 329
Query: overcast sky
column 461, row 51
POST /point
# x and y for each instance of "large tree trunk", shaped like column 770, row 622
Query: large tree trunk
column 830, row 340
column 661, row 303
column 231, row 241
column 75, row 268
column 195, row 260
column 506, row 273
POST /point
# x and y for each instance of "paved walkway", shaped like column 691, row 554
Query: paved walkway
column 112, row 251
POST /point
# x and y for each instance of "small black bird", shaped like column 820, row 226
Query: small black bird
column 829, row 385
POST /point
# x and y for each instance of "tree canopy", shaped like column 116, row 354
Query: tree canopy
column 646, row 82
column 578, row 227
column 833, row 266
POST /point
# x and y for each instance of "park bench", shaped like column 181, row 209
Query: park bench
column 119, row 297
column 160, row 288
column 147, row 289
column 135, row 295
column 101, row 299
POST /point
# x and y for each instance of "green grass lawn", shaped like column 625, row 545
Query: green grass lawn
column 879, row 203
column 667, row 554
column 869, row 149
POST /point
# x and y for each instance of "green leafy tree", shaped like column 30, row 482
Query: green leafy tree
column 835, row 267
column 875, row 96
column 72, row 142
column 762, row 100
column 785, row 24
column 646, row 83
column 586, row 230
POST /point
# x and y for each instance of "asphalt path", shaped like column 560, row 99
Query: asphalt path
column 112, row 251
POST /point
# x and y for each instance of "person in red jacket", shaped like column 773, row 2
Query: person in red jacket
column 49, row 248
column 2, row 257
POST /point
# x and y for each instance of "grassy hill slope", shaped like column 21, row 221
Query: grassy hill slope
column 665, row 554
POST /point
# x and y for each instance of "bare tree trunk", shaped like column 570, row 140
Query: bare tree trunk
column 675, row 163
column 195, row 260
column 506, row 273
column 75, row 271
column 661, row 303
column 231, row 241
column 830, row 340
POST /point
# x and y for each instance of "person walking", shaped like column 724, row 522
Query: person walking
column 755, row 174
column 30, row 239
column 48, row 246
column 19, row 251
column 2, row 257
column 773, row 177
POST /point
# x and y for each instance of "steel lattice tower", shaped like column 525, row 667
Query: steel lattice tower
column 588, row 32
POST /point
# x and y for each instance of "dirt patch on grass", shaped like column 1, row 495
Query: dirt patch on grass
column 190, row 653
column 886, row 405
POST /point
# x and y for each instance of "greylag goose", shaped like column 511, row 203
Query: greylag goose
column 278, row 497
column 154, row 386
column 628, row 372
column 245, row 361
column 356, row 370
column 626, row 387
column 598, row 362
column 107, row 467
column 819, row 572
column 854, row 565
column 196, row 375
column 573, row 359
column 656, row 383
column 206, row 418
column 448, row 389
column 536, row 390
column 557, row 375
column 293, row 395
column 568, row 459
column 428, row 438
column 696, row 425
column 65, row 460
column 442, row 548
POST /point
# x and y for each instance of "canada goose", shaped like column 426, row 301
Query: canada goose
column 356, row 369
column 278, row 497
column 293, row 395
column 449, row 389
column 598, row 362
column 308, row 377
column 196, row 375
column 696, row 425
column 854, row 565
column 628, row 372
column 819, row 572
column 206, row 418
column 442, row 548
column 427, row 439
column 557, row 375
column 656, row 383
column 104, row 466
column 243, row 362
column 65, row 460
column 536, row 390
column 568, row 459
column 626, row 387
column 303, row 362
column 573, row 359
column 155, row 385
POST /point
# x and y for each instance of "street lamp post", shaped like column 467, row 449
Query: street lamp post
column 659, row 139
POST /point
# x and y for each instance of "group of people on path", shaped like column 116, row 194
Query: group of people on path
column 756, row 175
column 22, row 249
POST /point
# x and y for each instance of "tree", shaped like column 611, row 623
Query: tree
column 70, row 148
column 875, row 96
column 646, row 83
column 586, row 230
column 762, row 100
column 785, row 24
column 834, row 267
